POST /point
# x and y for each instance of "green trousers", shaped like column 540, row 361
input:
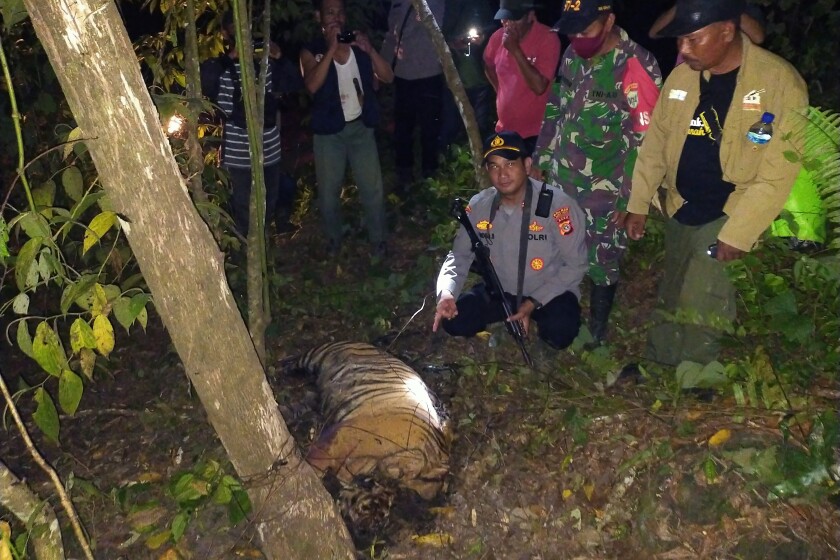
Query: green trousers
column 697, row 289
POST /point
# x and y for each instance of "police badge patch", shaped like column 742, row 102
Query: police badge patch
column 564, row 220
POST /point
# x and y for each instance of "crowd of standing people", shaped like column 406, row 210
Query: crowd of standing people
column 583, row 139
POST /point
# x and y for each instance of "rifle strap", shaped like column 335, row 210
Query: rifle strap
column 523, row 237
column 400, row 37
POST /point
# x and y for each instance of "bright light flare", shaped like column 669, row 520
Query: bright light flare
column 175, row 125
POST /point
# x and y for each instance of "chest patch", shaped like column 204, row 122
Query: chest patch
column 537, row 264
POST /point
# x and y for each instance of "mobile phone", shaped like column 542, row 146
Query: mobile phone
column 712, row 250
column 347, row 37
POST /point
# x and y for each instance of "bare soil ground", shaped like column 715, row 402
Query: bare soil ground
column 548, row 463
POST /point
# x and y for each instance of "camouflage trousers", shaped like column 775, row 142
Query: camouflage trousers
column 605, row 243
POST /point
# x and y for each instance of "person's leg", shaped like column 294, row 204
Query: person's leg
column 405, row 112
column 605, row 243
column 450, row 119
column 240, row 197
column 429, row 108
column 698, row 287
column 475, row 311
column 481, row 99
column 272, row 190
column 364, row 162
column 330, row 164
column 558, row 321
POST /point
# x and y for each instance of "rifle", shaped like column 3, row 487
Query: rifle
column 491, row 279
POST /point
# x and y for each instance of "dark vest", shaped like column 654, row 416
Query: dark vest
column 327, row 115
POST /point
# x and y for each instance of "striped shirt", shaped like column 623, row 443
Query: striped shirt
column 235, row 149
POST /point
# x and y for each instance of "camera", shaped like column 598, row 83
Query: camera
column 347, row 37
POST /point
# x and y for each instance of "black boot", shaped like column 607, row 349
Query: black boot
column 600, row 304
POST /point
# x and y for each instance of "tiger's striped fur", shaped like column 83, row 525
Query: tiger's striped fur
column 379, row 418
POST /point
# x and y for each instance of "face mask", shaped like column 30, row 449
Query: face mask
column 587, row 47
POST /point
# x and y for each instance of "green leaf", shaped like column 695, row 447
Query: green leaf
column 46, row 416
column 20, row 304
column 795, row 327
column 13, row 12
column 239, row 507
column 783, row 303
column 97, row 228
column 44, row 197
column 47, row 350
column 81, row 336
column 143, row 318
column 692, row 374
column 25, row 260
column 4, row 239
column 45, row 263
column 70, row 389
column 24, row 340
column 122, row 312
column 103, row 332
column 34, row 225
column 79, row 292
column 179, row 525
column 73, row 182
column 187, row 489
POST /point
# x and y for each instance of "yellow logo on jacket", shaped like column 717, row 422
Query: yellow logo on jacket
column 484, row 225
column 535, row 226
column 537, row 264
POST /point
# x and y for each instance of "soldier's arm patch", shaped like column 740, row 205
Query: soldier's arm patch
column 564, row 220
column 641, row 94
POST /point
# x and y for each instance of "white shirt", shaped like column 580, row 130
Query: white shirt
column 350, row 87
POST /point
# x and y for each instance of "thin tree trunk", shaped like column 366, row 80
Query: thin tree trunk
column 254, row 98
column 89, row 49
column 16, row 497
column 195, row 156
column 453, row 81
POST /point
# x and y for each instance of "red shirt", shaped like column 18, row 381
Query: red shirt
column 519, row 108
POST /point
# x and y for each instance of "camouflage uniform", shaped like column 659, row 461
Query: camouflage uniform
column 595, row 119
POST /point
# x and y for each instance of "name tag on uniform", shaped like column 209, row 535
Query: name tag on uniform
column 677, row 94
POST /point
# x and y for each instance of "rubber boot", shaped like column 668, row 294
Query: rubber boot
column 600, row 305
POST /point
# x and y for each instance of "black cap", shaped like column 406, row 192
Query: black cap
column 507, row 144
column 514, row 9
column 692, row 15
column 577, row 16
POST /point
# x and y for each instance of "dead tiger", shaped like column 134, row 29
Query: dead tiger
column 380, row 418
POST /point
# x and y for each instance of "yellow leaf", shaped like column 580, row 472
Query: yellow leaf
column 588, row 489
column 567, row 494
column 721, row 437
column 87, row 359
column 170, row 554
column 74, row 136
column 158, row 539
column 5, row 530
column 104, row 334
column 99, row 226
column 5, row 551
column 150, row 477
column 445, row 511
column 434, row 539
column 100, row 305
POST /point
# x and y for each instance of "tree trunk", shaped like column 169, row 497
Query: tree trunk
column 453, row 81
column 16, row 497
column 89, row 49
